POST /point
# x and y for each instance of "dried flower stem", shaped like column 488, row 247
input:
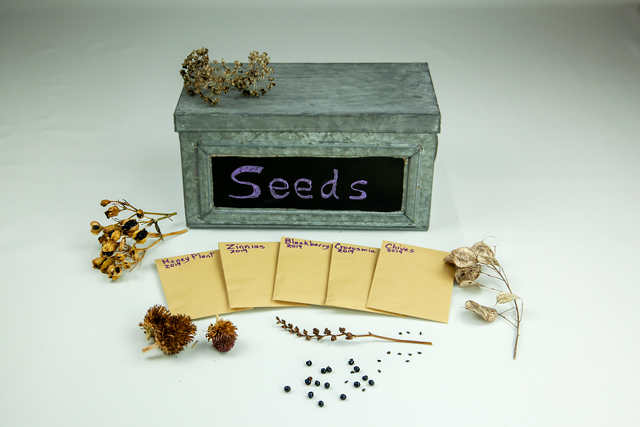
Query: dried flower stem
column 343, row 333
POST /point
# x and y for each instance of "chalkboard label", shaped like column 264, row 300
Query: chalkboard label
column 362, row 184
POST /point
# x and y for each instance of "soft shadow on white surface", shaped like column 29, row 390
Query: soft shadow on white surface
column 539, row 147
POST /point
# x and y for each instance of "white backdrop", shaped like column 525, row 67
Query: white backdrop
column 539, row 147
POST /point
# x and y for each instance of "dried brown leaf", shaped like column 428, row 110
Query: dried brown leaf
column 487, row 313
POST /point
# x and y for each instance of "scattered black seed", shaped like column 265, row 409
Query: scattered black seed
column 365, row 377
column 351, row 362
column 307, row 381
column 320, row 403
column 310, row 394
column 317, row 383
column 309, row 363
column 399, row 354
column 329, row 369
column 379, row 371
column 356, row 369
column 323, row 371
column 379, row 360
column 420, row 333
column 407, row 361
column 356, row 384
column 408, row 332
column 371, row 382
column 410, row 354
column 343, row 397
column 327, row 385
column 287, row 388
column 419, row 352
column 363, row 389
column 346, row 381
column 388, row 352
column 353, row 372
column 399, row 333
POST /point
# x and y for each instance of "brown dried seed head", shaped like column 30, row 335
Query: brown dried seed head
column 105, row 265
column 112, row 211
column 487, row 313
column 97, row 262
column 96, row 228
column 105, row 202
column 467, row 273
column 177, row 332
column 222, row 335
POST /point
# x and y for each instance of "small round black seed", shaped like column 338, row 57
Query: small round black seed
column 399, row 333
column 379, row 371
column 363, row 389
column 317, row 383
column 343, row 397
column 310, row 394
column 346, row 381
column 351, row 362
column 327, row 385
column 320, row 403
column 323, row 370
column 407, row 361
column 371, row 382
column 287, row 388
column 366, row 377
column 307, row 381
column 419, row 352
column 356, row 384
column 379, row 360
column 408, row 332
column 356, row 369
column 410, row 354
column 309, row 363
column 329, row 369
column 399, row 354
column 420, row 333
column 388, row 352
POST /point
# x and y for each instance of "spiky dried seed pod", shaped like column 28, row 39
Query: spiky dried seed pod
column 155, row 318
column 487, row 313
column 467, row 273
column 222, row 335
column 178, row 331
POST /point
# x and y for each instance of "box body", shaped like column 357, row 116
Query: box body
column 312, row 152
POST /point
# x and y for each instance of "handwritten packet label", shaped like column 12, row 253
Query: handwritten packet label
column 350, row 275
column 413, row 281
column 303, row 271
column 250, row 273
column 194, row 284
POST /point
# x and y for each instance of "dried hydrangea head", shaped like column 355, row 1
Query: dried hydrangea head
column 222, row 335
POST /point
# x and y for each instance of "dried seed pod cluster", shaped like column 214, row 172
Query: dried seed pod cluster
column 470, row 263
column 170, row 332
column 210, row 79
column 120, row 241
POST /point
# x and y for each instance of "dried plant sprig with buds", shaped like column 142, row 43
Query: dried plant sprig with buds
column 477, row 260
column 171, row 332
column 121, row 241
column 210, row 79
column 316, row 334
column 222, row 335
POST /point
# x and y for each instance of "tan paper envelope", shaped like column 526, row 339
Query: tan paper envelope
column 250, row 273
column 412, row 280
column 194, row 284
column 350, row 275
column 303, row 271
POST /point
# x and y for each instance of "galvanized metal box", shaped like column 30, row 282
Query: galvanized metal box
column 340, row 145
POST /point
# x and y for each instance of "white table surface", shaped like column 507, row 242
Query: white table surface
column 540, row 147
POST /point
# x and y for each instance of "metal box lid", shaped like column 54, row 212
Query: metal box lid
column 324, row 97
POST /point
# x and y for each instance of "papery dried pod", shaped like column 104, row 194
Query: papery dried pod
column 506, row 297
column 467, row 273
column 487, row 313
column 469, row 283
column 484, row 253
column 464, row 257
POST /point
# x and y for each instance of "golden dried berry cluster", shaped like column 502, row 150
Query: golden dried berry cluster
column 210, row 79
column 120, row 250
